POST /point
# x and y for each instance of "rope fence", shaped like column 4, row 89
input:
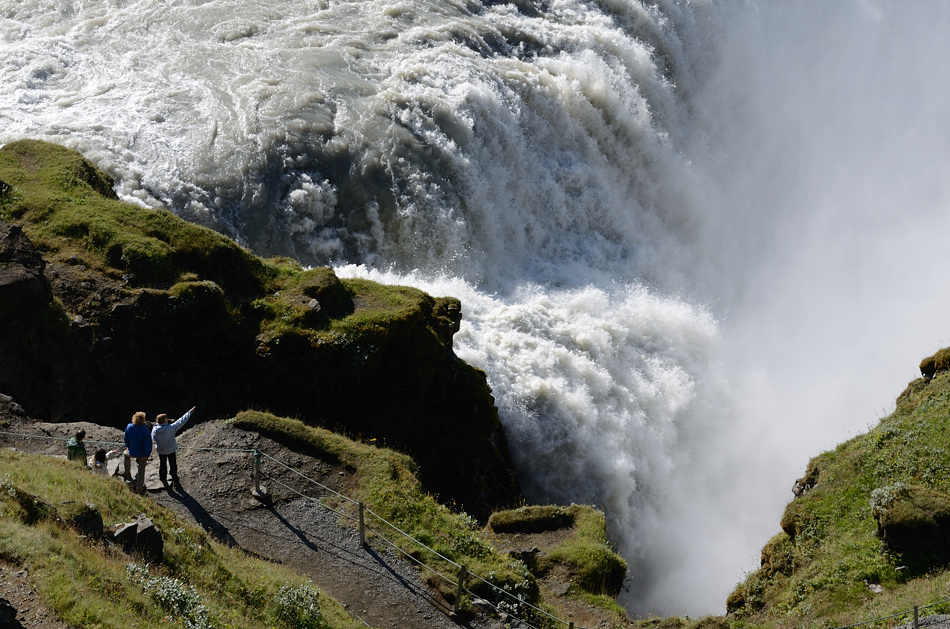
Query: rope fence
column 463, row 574
column 259, row 491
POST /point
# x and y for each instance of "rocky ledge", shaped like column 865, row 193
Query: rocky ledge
column 107, row 308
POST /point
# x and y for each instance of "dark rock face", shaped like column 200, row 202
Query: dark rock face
column 35, row 336
column 158, row 351
column 7, row 614
column 9, row 408
column 23, row 287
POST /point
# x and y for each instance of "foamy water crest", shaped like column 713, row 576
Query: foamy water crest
column 674, row 226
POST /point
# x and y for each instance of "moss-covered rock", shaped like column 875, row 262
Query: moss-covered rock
column 583, row 552
column 531, row 519
column 710, row 622
column 736, row 600
column 915, row 523
column 123, row 308
column 932, row 365
column 777, row 555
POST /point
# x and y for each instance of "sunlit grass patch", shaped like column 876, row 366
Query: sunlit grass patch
column 201, row 583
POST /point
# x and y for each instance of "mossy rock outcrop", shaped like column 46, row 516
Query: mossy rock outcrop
column 916, row 525
column 531, row 519
column 935, row 364
column 109, row 308
column 581, row 549
column 778, row 556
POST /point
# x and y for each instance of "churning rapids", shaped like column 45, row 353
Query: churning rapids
column 696, row 242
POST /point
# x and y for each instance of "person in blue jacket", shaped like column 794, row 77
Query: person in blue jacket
column 164, row 436
column 139, row 442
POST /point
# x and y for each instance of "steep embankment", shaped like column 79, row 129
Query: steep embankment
column 868, row 533
column 107, row 308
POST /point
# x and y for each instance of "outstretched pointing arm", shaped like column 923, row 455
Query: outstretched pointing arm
column 181, row 421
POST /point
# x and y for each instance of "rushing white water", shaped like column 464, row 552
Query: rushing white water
column 696, row 243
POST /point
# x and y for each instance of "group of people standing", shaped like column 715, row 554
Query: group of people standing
column 138, row 440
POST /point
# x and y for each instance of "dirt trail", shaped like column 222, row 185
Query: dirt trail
column 377, row 585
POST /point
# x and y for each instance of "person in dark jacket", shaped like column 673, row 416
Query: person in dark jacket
column 75, row 448
column 138, row 440
column 167, row 446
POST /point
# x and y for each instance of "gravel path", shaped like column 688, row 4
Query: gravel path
column 378, row 586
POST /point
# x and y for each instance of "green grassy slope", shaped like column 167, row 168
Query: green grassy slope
column 201, row 583
column 389, row 488
column 68, row 209
column 869, row 536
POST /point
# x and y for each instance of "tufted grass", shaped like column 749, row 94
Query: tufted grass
column 87, row 583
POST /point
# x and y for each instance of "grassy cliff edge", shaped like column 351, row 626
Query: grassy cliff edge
column 108, row 307
column 868, row 534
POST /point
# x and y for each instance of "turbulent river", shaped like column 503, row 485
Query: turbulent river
column 696, row 242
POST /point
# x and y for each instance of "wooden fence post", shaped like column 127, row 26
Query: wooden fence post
column 259, row 492
column 916, row 625
column 458, row 596
column 362, row 527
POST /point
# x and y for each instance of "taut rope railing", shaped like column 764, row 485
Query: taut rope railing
column 458, row 582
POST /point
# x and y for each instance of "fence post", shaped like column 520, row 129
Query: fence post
column 259, row 492
column 570, row 625
column 915, row 617
column 362, row 527
column 458, row 596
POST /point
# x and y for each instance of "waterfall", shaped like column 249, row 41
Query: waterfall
column 695, row 242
